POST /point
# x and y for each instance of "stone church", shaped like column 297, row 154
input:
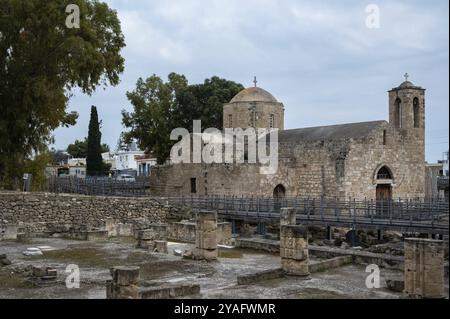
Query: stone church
column 372, row 160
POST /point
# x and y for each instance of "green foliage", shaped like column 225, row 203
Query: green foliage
column 58, row 156
column 159, row 107
column 41, row 62
column 79, row 148
column 94, row 161
column 36, row 167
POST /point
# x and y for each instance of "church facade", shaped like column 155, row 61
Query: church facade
column 368, row 160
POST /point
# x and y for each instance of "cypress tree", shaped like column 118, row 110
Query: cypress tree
column 94, row 160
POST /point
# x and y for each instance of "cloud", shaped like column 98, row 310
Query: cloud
column 317, row 57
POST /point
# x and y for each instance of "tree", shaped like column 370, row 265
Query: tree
column 159, row 107
column 41, row 62
column 94, row 161
column 79, row 148
column 58, row 156
column 36, row 166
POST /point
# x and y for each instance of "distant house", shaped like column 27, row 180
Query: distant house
column 77, row 171
column 126, row 160
column 432, row 174
column 109, row 158
column 145, row 164
column 76, row 162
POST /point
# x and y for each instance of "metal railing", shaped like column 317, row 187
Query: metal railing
column 393, row 214
column 98, row 186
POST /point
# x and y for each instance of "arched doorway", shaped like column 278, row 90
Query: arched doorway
column 384, row 184
column 384, row 180
column 279, row 194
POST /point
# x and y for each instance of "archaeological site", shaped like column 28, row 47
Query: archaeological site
column 224, row 159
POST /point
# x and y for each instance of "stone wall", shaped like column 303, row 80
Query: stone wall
column 42, row 212
column 185, row 232
column 424, row 268
column 401, row 153
column 340, row 168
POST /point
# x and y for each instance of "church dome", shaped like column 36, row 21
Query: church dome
column 254, row 94
column 407, row 84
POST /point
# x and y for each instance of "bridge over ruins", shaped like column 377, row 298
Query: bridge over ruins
column 407, row 216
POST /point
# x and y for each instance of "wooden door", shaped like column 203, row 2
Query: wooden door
column 384, row 197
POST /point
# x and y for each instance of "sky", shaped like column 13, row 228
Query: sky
column 318, row 58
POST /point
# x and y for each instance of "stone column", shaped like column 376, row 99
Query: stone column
column 206, row 236
column 10, row 232
column 111, row 227
column 293, row 244
column 288, row 216
column 424, row 268
column 146, row 238
column 160, row 246
column 124, row 283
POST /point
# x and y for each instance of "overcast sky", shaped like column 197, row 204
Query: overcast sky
column 316, row 57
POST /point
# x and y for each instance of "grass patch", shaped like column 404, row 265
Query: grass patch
column 87, row 257
column 13, row 280
column 230, row 253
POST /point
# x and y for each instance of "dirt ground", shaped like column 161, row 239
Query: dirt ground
column 216, row 279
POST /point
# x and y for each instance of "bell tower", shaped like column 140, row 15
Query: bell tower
column 407, row 108
column 407, row 124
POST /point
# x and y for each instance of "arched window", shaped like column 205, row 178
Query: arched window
column 398, row 113
column 253, row 118
column 416, row 110
column 384, row 173
column 230, row 120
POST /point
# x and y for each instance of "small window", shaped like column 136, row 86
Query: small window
column 272, row 121
column 193, row 186
column 416, row 110
column 230, row 120
column 384, row 173
column 384, row 137
column 398, row 113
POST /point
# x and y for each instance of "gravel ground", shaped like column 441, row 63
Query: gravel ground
column 217, row 279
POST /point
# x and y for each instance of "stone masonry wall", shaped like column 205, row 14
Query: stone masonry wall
column 404, row 158
column 39, row 212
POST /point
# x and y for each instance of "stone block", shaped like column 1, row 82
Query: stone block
column 169, row 291
column 424, row 268
column 295, row 267
column 125, row 230
column 124, row 276
column 160, row 246
column 288, row 216
column 260, row 276
column 111, row 227
column 10, row 232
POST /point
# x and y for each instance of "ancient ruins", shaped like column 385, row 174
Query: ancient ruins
column 136, row 248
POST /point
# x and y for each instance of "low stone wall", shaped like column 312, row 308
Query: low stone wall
column 185, row 232
column 323, row 265
column 126, row 284
column 43, row 212
column 251, row 279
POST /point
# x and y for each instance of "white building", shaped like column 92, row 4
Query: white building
column 76, row 162
column 145, row 164
column 126, row 160
column 77, row 171
column 444, row 162
column 109, row 158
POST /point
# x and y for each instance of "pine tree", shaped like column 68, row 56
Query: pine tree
column 94, row 160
